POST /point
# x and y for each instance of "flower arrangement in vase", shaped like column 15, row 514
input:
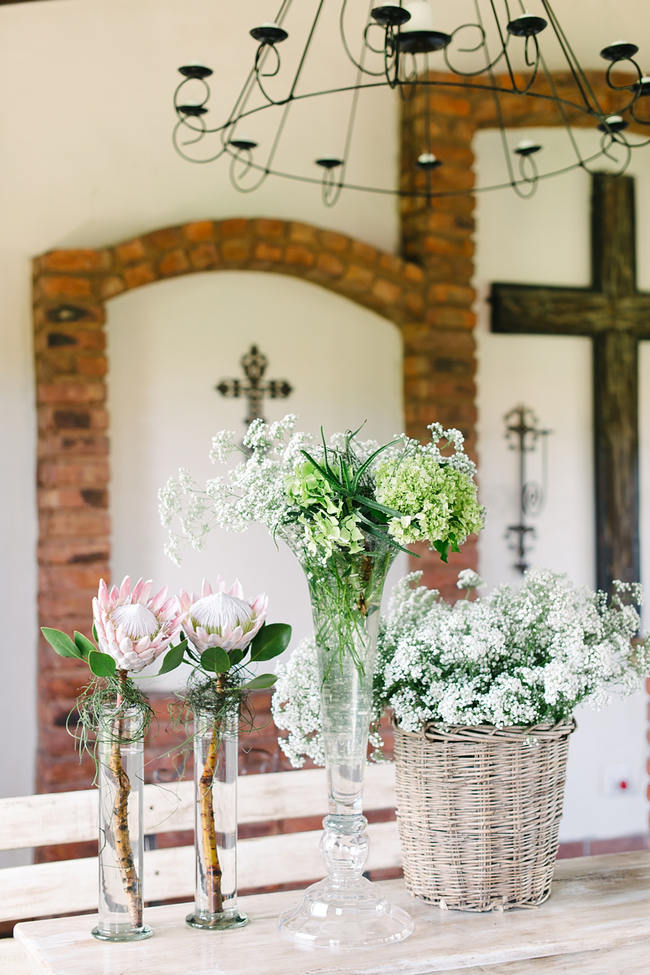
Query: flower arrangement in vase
column 225, row 634
column 345, row 507
column 131, row 629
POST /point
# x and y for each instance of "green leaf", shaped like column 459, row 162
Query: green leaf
column 173, row 658
column 83, row 644
column 375, row 506
column 443, row 549
column 215, row 660
column 366, row 464
column 61, row 643
column 271, row 640
column 236, row 657
column 101, row 664
column 95, row 638
column 261, row 681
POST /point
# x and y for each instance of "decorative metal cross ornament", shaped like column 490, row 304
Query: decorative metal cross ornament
column 254, row 364
column 524, row 435
column 615, row 316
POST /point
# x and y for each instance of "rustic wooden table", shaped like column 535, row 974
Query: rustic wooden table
column 597, row 922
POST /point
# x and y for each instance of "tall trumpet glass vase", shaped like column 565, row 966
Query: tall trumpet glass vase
column 120, row 753
column 215, row 829
column 345, row 910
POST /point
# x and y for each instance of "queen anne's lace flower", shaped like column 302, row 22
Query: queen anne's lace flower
column 132, row 626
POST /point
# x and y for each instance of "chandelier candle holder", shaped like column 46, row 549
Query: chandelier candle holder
column 504, row 50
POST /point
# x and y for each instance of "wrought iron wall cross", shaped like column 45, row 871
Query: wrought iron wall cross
column 524, row 435
column 254, row 388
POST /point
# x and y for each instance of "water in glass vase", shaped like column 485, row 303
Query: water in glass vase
column 215, row 798
column 120, row 774
column 345, row 910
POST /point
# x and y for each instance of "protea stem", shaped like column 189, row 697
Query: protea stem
column 120, row 820
column 212, row 870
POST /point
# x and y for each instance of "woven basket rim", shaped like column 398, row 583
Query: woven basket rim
column 435, row 731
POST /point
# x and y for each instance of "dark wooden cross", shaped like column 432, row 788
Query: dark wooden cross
column 254, row 388
column 615, row 316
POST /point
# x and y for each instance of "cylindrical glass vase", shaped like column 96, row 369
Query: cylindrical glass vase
column 215, row 821
column 120, row 756
column 345, row 910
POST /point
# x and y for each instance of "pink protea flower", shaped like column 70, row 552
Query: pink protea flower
column 222, row 618
column 132, row 626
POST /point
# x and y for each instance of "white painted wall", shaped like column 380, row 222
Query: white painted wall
column 87, row 161
column 168, row 346
column 518, row 241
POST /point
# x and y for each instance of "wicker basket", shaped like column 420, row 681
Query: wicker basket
column 479, row 811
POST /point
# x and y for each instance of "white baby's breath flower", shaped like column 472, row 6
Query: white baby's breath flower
column 468, row 579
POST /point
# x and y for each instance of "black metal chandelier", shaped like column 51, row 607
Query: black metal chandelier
column 401, row 47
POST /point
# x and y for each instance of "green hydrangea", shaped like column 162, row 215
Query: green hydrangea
column 327, row 528
column 307, row 488
column 438, row 502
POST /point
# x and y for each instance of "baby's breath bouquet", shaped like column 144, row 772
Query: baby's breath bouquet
column 517, row 657
column 345, row 507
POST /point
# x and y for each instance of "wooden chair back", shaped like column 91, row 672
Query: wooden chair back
column 284, row 858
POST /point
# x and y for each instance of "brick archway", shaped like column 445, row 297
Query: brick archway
column 71, row 291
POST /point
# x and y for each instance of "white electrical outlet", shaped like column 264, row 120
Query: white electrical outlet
column 618, row 780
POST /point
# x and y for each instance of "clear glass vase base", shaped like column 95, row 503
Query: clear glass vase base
column 356, row 915
column 128, row 934
column 217, row 922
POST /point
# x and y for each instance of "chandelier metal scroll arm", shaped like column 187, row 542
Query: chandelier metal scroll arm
column 180, row 127
column 635, row 88
column 331, row 188
column 179, row 104
column 243, row 153
column 191, row 114
column 260, row 56
column 448, row 52
column 643, row 91
column 391, row 56
column 610, row 139
column 268, row 36
column 528, row 172
column 358, row 64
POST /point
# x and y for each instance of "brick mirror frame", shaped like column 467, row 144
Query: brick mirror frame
column 72, row 291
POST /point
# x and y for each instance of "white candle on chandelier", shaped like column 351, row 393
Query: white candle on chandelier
column 421, row 16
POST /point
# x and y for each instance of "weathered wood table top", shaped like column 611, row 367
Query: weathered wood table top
column 596, row 922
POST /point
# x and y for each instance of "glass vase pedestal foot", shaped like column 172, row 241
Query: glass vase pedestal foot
column 345, row 910
column 356, row 915
column 126, row 933
column 216, row 922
